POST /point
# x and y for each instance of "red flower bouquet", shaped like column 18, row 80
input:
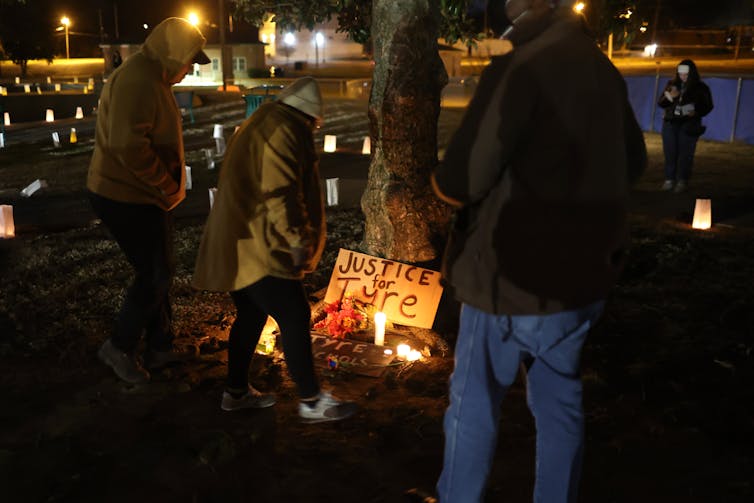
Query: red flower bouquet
column 343, row 317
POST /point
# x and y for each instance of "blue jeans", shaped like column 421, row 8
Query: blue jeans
column 489, row 351
column 679, row 148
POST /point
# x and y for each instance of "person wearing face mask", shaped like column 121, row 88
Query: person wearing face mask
column 136, row 177
column 686, row 99
column 540, row 176
column 265, row 231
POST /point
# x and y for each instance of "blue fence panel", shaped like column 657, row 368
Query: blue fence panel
column 720, row 121
column 641, row 96
column 745, row 119
column 659, row 112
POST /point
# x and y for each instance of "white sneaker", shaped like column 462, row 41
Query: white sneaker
column 325, row 408
column 667, row 185
column 253, row 399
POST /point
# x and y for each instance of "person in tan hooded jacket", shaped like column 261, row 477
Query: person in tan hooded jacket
column 265, row 231
column 136, row 177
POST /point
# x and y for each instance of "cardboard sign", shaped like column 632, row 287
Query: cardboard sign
column 359, row 357
column 407, row 294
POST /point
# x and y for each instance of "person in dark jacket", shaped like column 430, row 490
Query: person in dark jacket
column 540, row 174
column 686, row 99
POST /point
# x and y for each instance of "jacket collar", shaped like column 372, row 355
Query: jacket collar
column 529, row 25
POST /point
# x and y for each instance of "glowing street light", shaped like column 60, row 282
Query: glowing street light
column 66, row 22
column 579, row 7
column 319, row 41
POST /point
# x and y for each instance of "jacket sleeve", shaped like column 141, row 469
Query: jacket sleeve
column 456, row 178
column 133, row 109
column 282, row 190
column 663, row 101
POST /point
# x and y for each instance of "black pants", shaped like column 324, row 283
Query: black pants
column 145, row 234
column 285, row 300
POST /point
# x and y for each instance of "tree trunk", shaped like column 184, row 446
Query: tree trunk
column 404, row 219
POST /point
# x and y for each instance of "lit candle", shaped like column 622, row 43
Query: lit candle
column 7, row 228
column 330, row 142
column 366, row 148
column 379, row 328
column 73, row 138
column 79, row 113
column 49, row 115
column 403, row 350
column 702, row 214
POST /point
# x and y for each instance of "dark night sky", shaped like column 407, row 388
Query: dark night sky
column 679, row 13
column 132, row 14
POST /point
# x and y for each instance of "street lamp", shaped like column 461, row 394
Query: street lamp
column 66, row 22
column 319, row 41
column 579, row 7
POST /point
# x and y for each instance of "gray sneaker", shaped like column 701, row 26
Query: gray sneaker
column 325, row 408
column 253, row 399
column 125, row 366
column 158, row 359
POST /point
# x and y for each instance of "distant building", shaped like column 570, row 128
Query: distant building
column 316, row 46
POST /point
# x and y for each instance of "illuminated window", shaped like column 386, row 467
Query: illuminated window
column 239, row 64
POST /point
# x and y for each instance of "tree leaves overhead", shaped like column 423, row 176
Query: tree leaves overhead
column 354, row 16
column 23, row 40
column 288, row 14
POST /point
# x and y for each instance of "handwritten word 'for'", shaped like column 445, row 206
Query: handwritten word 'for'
column 386, row 277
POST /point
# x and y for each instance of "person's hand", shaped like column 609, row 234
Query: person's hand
column 300, row 256
column 172, row 196
column 668, row 96
column 691, row 113
column 673, row 92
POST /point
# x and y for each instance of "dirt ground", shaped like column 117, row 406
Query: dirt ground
column 668, row 371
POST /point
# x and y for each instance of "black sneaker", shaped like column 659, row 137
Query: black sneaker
column 123, row 364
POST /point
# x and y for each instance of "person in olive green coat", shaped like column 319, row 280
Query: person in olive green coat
column 265, row 231
column 136, row 177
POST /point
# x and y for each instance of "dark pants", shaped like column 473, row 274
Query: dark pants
column 285, row 300
column 145, row 234
column 679, row 148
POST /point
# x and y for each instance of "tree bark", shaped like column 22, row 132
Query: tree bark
column 404, row 220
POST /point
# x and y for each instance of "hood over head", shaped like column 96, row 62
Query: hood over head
column 174, row 43
column 529, row 18
column 304, row 95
